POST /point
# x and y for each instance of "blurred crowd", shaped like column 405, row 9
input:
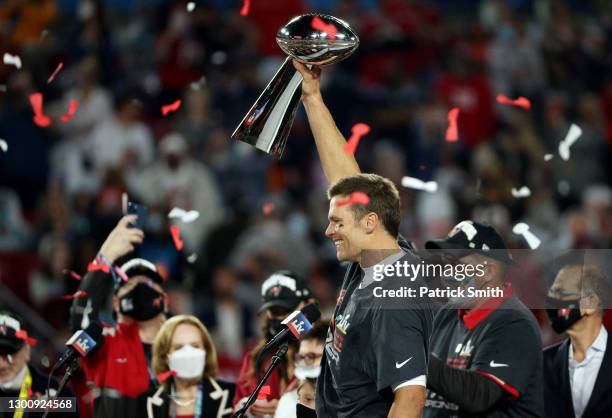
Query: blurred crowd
column 61, row 186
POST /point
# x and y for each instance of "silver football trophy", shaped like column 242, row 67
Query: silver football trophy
column 315, row 39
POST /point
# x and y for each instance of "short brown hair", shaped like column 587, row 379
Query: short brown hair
column 318, row 332
column 163, row 342
column 384, row 198
column 594, row 281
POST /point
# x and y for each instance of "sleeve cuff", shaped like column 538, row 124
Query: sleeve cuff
column 416, row 381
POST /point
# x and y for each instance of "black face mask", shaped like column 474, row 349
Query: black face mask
column 303, row 411
column 142, row 303
column 274, row 327
column 562, row 313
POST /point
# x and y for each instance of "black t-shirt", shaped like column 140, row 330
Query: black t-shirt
column 502, row 343
column 373, row 346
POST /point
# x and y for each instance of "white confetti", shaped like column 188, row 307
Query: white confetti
column 522, row 228
column 12, row 60
column 197, row 85
column 183, row 215
column 563, row 188
column 522, row 192
column 572, row 136
column 548, row 157
column 190, row 6
column 3, row 145
column 192, row 258
column 418, row 184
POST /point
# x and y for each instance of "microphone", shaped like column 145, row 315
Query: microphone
column 298, row 324
column 82, row 343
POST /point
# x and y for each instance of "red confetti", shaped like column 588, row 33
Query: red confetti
column 422, row 167
column 318, row 24
column 77, row 295
column 22, row 334
column 452, row 133
column 246, row 5
column 95, row 267
column 267, row 208
column 164, row 376
column 172, row 107
column 72, row 108
column 357, row 198
column 175, row 231
column 71, row 274
column 357, row 131
column 57, row 70
column 263, row 393
column 520, row 102
column 40, row 119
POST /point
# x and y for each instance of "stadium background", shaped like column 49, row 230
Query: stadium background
column 60, row 186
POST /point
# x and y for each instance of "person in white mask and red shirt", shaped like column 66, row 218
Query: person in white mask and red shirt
column 185, row 362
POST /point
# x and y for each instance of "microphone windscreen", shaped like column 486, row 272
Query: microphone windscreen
column 311, row 312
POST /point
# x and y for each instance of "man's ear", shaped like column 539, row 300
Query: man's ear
column 116, row 304
column 369, row 222
column 589, row 305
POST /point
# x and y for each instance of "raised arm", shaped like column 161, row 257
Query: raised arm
column 330, row 142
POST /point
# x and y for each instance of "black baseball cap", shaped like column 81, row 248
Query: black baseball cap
column 140, row 267
column 284, row 289
column 469, row 237
column 10, row 326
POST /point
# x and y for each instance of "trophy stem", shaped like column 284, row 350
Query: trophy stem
column 267, row 124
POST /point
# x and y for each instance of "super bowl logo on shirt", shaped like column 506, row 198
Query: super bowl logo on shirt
column 340, row 330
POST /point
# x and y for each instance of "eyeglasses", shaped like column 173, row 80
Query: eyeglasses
column 308, row 358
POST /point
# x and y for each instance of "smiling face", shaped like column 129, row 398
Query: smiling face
column 347, row 233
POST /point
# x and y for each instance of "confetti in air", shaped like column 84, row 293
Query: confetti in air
column 357, row 198
column 267, row 208
column 522, row 229
column 357, row 131
column 520, row 102
column 183, row 215
column 172, row 107
column 57, row 70
column 244, row 11
column 71, row 274
column 263, row 393
column 12, row 60
column 72, row 108
column 79, row 294
column 192, row 258
column 98, row 267
column 40, row 119
column 522, row 192
column 452, row 132
column 3, row 145
column 190, row 6
column 22, row 334
column 175, row 231
column 572, row 136
column 164, row 376
column 548, row 157
column 418, row 184
column 318, row 24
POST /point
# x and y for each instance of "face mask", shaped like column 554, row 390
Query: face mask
column 142, row 303
column 302, row 411
column 274, row 327
column 188, row 362
column 562, row 313
column 468, row 283
column 307, row 372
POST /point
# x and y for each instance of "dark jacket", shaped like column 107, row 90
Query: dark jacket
column 557, row 390
column 217, row 400
column 39, row 389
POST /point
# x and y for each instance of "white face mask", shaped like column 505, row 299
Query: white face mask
column 188, row 362
column 307, row 372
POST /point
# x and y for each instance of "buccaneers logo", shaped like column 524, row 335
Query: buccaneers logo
column 564, row 313
column 274, row 291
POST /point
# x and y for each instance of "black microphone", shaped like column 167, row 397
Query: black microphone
column 297, row 324
column 82, row 343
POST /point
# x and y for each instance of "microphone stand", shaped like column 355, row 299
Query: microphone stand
column 276, row 358
column 70, row 370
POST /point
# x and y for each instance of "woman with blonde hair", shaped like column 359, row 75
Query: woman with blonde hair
column 185, row 361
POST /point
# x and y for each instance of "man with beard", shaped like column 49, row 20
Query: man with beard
column 120, row 370
column 283, row 292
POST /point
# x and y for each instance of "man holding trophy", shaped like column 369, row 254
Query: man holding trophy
column 375, row 359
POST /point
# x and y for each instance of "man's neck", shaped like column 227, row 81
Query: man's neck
column 383, row 246
column 148, row 329
column 583, row 334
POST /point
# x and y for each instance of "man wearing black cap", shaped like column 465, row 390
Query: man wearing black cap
column 19, row 379
column 282, row 293
column 485, row 357
column 120, row 370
